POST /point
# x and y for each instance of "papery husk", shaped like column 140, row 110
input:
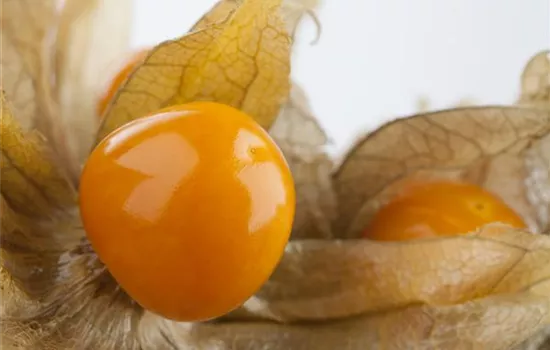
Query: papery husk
column 37, row 197
column 535, row 81
column 203, row 59
column 486, row 290
column 243, row 62
column 303, row 142
column 27, row 66
column 297, row 133
column 492, row 292
column 25, row 27
column 92, row 37
column 31, row 181
column 535, row 91
column 37, row 171
column 218, row 14
column 539, row 341
column 503, row 149
column 292, row 11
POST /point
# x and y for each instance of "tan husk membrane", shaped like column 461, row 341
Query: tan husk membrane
column 488, row 289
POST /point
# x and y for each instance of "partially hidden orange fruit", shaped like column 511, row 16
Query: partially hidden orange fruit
column 439, row 209
column 119, row 79
column 190, row 209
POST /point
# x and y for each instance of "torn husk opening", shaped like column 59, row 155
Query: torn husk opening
column 486, row 289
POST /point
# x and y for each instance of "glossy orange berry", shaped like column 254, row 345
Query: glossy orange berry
column 190, row 209
column 118, row 80
column 439, row 209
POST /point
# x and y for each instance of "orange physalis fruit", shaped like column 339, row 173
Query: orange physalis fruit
column 190, row 208
column 439, row 209
column 118, row 80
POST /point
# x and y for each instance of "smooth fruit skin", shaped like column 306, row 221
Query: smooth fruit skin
column 118, row 80
column 439, row 209
column 190, row 209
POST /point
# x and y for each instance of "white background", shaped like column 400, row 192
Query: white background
column 402, row 49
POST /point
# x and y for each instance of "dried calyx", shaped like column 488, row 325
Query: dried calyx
column 488, row 289
column 535, row 84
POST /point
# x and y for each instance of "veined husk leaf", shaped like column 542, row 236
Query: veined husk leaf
column 298, row 134
column 455, row 292
column 92, row 37
column 243, row 62
column 292, row 12
column 12, row 294
column 493, row 322
column 28, row 258
column 36, row 169
column 535, row 81
column 504, row 149
column 27, row 72
column 35, row 195
column 25, row 26
column 218, row 14
column 486, row 290
column 31, row 181
column 323, row 280
column 418, row 327
column 539, row 341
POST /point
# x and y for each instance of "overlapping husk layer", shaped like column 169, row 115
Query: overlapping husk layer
column 488, row 289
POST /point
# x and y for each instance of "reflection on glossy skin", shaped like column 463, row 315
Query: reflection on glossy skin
column 150, row 198
column 254, row 175
column 189, row 209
